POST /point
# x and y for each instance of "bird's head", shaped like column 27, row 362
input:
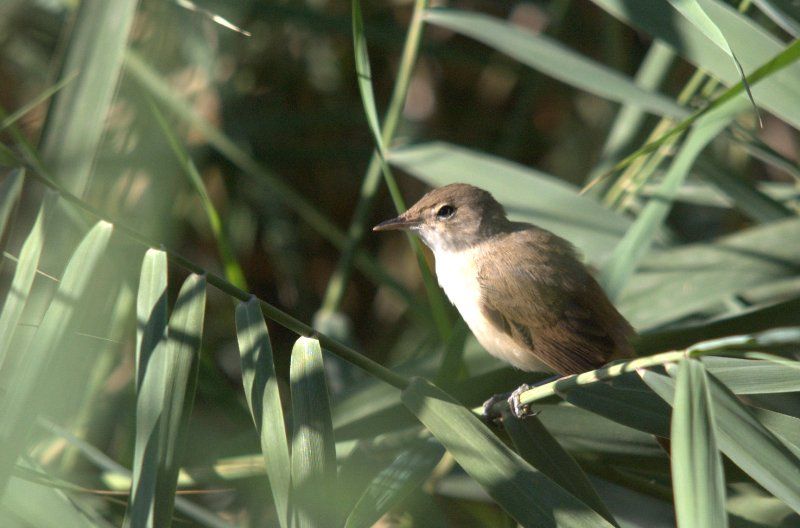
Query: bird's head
column 451, row 218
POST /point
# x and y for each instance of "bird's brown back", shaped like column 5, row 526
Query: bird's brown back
column 534, row 288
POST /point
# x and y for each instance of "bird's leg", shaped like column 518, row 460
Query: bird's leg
column 519, row 410
column 489, row 412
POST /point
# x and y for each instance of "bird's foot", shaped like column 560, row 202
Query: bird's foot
column 492, row 413
column 518, row 409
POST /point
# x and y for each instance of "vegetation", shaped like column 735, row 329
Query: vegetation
column 197, row 328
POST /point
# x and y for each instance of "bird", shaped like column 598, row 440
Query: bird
column 522, row 290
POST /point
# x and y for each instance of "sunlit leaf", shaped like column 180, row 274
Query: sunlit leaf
column 313, row 447
column 24, row 274
column 528, row 495
column 24, row 399
column 697, row 477
column 263, row 397
column 554, row 59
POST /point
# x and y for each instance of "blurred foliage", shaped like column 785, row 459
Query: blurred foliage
column 244, row 158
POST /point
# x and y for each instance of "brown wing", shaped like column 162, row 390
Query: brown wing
column 547, row 301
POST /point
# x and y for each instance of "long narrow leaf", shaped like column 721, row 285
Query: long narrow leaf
column 438, row 306
column 178, row 368
column 151, row 338
column 696, row 278
column 537, row 446
column 638, row 409
column 744, row 440
column 22, row 400
column 697, row 478
column 408, row 471
column 151, row 308
column 21, row 283
column 263, row 397
column 313, row 447
column 781, row 95
column 364, row 73
column 77, row 116
column 10, row 189
column 694, row 12
column 639, row 238
column 528, row 495
column 98, row 458
column 233, row 271
column 39, row 505
column 554, row 59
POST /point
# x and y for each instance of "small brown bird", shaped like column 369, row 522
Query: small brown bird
column 521, row 289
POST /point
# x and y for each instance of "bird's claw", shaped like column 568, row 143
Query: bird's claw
column 518, row 409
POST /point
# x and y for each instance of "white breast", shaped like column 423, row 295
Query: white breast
column 457, row 273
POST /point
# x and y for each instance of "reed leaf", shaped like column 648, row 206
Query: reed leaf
column 264, row 399
column 529, row 496
column 407, row 472
column 10, row 189
column 697, row 476
column 25, row 399
column 24, row 274
column 313, row 448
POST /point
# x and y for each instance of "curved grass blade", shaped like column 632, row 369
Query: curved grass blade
column 639, row 238
column 744, row 440
column 264, row 400
column 177, row 368
column 168, row 373
column 151, row 338
column 233, row 271
column 526, row 494
column 638, row 409
column 695, row 278
column 786, row 14
column 77, row 117
column 21, row 283
column 10, row 119
column 151, row 309
column 788, row 56
column 97, row 458
column 537, row 446
column 407, row 472
column 10, row 190
column 747, row 376
column 364, row 73
column 32, row 504
column 746, row 197
column 785, row 427
column 313, row 448
column 780, row 96
column 438, row 306
column 697, row 477
column 694, row 12
column 258, row 175
column 24, row 399
column 554, row 59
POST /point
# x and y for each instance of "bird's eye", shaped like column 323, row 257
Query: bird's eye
column 445, row 211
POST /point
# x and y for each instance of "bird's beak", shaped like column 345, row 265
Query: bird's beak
column 399, row 223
